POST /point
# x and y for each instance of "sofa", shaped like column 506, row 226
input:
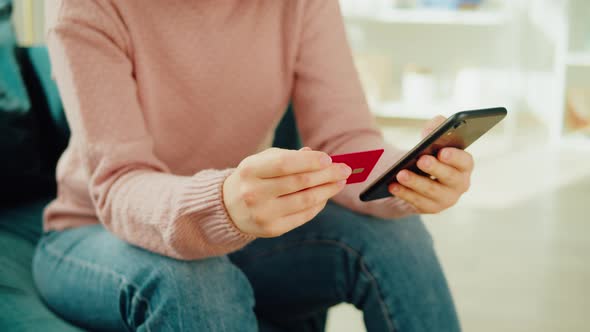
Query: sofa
column 34, row 132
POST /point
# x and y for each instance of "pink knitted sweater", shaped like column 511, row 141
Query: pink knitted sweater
column 164, row 98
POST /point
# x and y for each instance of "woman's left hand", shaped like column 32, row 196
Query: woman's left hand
column 452, row 170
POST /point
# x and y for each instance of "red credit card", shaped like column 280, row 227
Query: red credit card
column 362, row 163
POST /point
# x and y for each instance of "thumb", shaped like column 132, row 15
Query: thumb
column 432, row 124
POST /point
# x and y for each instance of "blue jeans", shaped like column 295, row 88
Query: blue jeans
column 386, row 268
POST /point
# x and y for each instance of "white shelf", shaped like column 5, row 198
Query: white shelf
column 399, row 110
column 436, row 16
column 579, row 59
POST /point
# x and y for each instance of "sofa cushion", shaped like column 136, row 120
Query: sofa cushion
column 18, row 126
column 38, row 57
column 51, row 130
column 21, row 309
column 286, row 133
column 33, row 128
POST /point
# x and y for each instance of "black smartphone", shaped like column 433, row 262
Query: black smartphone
column 458, row 131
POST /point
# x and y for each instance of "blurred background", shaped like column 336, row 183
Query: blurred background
column 516, row 249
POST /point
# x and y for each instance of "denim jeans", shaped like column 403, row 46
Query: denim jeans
column 386, row 268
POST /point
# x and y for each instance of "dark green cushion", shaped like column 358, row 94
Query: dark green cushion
column 286, row 134
column 18, row 127
column 34, row 133
column 14, row 94
column 21, row 309
column 50, row 100
column 51, row 130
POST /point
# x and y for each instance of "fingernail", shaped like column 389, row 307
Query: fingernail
column 341, row 183
column 426, row 162
column 325, row 160
column 345, row 170
column 446, row 154
column 395, row 188
column 403, row 176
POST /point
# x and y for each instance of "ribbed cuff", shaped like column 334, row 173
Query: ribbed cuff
column 201, row 206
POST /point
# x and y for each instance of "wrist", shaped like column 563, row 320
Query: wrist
column 230, row 200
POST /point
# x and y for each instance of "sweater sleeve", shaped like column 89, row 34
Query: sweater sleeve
column 331, row 110
column 133, row 192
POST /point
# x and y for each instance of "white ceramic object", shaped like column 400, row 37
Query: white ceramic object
column 418, row 88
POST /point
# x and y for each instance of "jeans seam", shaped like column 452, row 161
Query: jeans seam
column 384, row 308
column 96, row 268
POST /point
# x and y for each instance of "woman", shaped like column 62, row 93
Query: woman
column 172, row 212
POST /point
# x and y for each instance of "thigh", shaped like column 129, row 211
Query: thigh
column 97, row 281
column 332, row 258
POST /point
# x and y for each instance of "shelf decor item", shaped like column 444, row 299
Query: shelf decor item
column 577, row 116
column 470, row 4
column 403, row 4
column 469, row 88
column 418, row 87
column 451, row 4
column 374, row 70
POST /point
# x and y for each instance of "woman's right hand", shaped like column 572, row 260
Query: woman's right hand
column 277, row 190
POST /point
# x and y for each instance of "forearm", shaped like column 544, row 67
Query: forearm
column 177, row 216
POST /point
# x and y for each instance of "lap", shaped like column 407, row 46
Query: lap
column 94, row 249
column 339, row 227
column 319, row 264
column 91, row 277
column 96, row 280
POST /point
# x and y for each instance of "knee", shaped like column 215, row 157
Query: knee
column 214, row 281
column 407, row 236
column 399, row 266
column 387, row 248
column 382, row 256
column 207, row 290
column 405, row 243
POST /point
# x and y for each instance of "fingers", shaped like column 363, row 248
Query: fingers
column 291, row 211
column 426, row 187
column 432, row 196
column 433, row 124
column 286, row 223
column 293, row 183
column 445, row 174
column 459, row 159
column 277, row 190
column 452, row 170
column 304, row 199
column 279, row 162
column 421, row 203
